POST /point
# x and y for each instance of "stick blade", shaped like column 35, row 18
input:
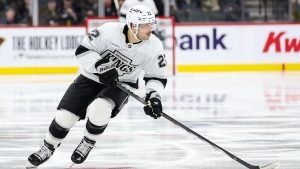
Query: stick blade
column 274, row 165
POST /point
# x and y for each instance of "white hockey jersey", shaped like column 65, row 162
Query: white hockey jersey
column 110, row 41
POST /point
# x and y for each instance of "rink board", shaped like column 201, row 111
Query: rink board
column 39, row 50
column 238, row 67
column 237, row 47
column 199, row 48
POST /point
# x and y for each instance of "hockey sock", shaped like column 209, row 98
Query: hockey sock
column 56, row 134
column 92, row 130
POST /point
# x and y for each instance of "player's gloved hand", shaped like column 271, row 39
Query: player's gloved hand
column 154, row 108
column 109, row 78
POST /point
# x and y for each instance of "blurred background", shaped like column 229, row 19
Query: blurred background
column 71, row 12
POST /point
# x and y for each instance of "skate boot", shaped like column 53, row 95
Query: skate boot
column 42, row 155
column 82, row 151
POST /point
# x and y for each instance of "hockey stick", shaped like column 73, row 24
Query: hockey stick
column 274, row 165
column 117, row 6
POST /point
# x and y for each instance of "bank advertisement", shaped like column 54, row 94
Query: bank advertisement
column 237, row 44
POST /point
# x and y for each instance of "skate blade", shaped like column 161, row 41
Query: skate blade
column 72, row 165
column 274, row 165
column 29, row 165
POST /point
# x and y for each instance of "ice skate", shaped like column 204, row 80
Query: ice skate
column 82, row 151
column 39, row 157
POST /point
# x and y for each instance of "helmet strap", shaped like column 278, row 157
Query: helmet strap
column 136, row 31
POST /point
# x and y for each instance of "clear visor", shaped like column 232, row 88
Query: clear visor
column 149, row 26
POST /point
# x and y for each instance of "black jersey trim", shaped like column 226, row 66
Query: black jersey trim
column 81, row 49
column 133, row 85
column 123, row 15
column 125, row 30
column 163, row 81
column 101, row 61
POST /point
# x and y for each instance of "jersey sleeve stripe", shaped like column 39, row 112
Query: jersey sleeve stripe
column 81, row 49
column 163, row 81
column 123, row 15
column 133, row 85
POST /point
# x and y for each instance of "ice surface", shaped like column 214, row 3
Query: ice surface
column 255, row 116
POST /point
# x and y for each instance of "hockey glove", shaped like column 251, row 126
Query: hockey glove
column 154, row 107
column 109, row 78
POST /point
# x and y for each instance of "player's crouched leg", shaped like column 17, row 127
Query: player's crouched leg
column 98, row 113
column 58, row 129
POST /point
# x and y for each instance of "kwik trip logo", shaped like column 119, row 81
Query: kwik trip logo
column 280, row 42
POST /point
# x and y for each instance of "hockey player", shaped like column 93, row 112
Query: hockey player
column 113, row 53
column 159, row 32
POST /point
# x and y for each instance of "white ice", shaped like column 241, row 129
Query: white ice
column 255, row 116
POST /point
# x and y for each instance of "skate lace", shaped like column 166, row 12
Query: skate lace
column 84, row 147
column 44, row 152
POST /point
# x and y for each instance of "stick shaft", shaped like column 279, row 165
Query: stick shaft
column 191, row 131
column 209, row 142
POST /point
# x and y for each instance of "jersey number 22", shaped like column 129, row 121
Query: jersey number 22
column 162, row 61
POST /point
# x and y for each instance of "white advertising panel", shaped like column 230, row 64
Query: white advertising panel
column 196, row 44
column 230, row 44
column 39, row 46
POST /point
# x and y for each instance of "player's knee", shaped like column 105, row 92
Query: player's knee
column 66, row 119
column 99, row 111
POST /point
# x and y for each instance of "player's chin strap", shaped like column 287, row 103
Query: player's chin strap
column 136, row 31
column 274, row 165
